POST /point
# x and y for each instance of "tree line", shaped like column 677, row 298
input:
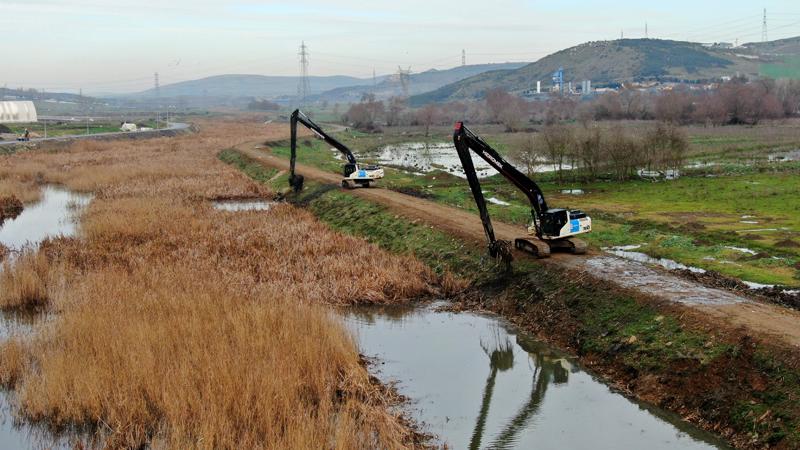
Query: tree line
column 593, row 152
column 735, row 102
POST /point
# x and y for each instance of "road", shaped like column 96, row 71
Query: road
column 763, row 319
column 152, row 133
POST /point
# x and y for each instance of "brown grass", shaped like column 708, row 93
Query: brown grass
column 186, row 327
column 24, row 284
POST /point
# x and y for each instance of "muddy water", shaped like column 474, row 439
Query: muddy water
column 475, row 382
column 52, row 215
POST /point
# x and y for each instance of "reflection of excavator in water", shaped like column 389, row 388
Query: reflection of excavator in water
column 548, row 370
column 550, row 228
column 354, row 174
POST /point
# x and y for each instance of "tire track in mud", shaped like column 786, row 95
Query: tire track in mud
column 767, row 320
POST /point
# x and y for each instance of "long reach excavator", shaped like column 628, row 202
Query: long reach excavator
column 550, row 228
column 354, row 174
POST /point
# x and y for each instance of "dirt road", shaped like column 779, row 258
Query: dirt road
column 766, row 320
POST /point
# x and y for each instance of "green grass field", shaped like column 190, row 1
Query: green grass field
column 790, row 68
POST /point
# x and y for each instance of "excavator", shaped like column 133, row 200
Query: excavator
column 354, row 174
column 550, row 229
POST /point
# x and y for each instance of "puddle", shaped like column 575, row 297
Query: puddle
column 425, row 157
column 742, row 250
column 749, row 222
column 793, row 155
column 636, row 275
column 242, row 205
column 496, row 201
column 52, row 215
column 624, row 252
column 572, row 191
column 475, row 382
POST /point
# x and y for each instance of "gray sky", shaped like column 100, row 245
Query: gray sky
column 116, row 46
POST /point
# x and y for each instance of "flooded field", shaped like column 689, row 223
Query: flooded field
column 423, row 157
column 51, row 216
column 475, row 382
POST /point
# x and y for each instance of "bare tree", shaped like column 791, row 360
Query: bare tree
column 428, row 116
column 395, row 110
column 529, row 153
column 558, row 141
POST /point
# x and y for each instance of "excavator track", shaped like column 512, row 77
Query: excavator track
column 571, row 245
column 534, row 246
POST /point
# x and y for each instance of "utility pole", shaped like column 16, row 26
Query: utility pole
column 764, row 27
column 303, row 87
column 621, row 34
column 463, row 57
column 646, row 34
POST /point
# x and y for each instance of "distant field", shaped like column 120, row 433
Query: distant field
column 790, row 68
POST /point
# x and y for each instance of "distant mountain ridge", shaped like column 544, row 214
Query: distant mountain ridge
column 417, row 82
column 624, row 60
column 237, row 86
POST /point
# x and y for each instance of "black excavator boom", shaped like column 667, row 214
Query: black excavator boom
column 552, row 228
column 352, row 173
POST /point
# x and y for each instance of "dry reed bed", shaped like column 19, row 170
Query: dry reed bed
column 185, row 327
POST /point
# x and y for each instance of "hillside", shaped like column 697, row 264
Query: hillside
column 608, row 63
column 418, row 82
column 235, row 86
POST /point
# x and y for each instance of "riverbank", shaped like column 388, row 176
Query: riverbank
column 721, row 378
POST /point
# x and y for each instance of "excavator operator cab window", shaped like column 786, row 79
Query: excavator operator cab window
column 553, row 220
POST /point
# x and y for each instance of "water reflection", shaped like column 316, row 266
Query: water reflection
column 476, row 383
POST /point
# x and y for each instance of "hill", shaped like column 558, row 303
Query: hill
column 610, row 63
column 417, row 83
column 237, row 86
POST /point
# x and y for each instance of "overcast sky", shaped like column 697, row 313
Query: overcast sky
column 116, row 46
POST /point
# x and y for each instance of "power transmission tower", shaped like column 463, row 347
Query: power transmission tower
column 303, row 87
column 646, row 34
column 764, row 27
column 404, row 77
column 463, row 57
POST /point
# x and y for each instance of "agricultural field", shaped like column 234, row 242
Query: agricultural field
column 735, row 211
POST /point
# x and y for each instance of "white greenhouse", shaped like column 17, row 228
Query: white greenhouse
column 17, row 112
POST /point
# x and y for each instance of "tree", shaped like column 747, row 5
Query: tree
column 496, row 102
column 366, row 114
column 558, row 141
column 675, row 106
column 665, row 147
column 427, row 116
column 590, row 149
column 529, row 153
column 394, row 111
column 623, row 153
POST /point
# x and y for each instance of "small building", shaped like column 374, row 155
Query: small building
column 127, row 127
column 18, row 112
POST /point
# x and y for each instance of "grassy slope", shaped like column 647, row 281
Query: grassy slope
column 597, row 322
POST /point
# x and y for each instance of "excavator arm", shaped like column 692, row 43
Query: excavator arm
column 296, row 181
column 553, row 228
column 465, row 141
